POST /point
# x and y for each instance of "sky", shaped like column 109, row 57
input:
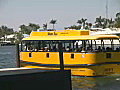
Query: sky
column 14, row 13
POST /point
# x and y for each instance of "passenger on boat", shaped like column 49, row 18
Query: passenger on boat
column 77, row 50
column 117, row 49
column 42, row 49
column 83, row 49
column 108, row 49
column 68, row 49
column 46, row 49
column 30, row 48
column 99, row 48
column 89, row 48
column 103, row 49
column 25, row 48
column 54, row 48
column 36, row 49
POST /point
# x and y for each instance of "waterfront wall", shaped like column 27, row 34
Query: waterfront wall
column 45, row 80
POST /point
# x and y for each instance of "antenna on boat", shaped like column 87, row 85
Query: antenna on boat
column 107, row 13
column 107, row 9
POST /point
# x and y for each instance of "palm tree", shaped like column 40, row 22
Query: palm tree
column 79, row 22
column 22, row 28
column 98, row 21
column 53, row 22
column 101, row 22
column 117, row 20
column 45, row 26
column 82, row 22
column 19, row 37
column 34, row 26
column 25, row 29
column 4, row 31
column 118, row 15
column 110, row 22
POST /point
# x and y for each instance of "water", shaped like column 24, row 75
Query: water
column 8, row 60
column 7, row 56
column 98, row 83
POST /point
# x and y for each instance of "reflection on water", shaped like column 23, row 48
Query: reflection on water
column 7, row 60
column 97, row 83
column 83, row 83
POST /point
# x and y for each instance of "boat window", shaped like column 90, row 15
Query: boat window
column 27, row 46
column 47, row 55
column 109, row 45
column 23, row 46
column 89, row 46
column 72, row 55
column 108, row 55
column 94, row 46
column 54, row 46
column 78, row 46
column 30, row 54
column 71, row 45
column 116, row 44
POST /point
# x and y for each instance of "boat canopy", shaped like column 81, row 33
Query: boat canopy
column 87, row 37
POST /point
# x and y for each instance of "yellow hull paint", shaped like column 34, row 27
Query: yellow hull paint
column 83, row 64
column 103, row 70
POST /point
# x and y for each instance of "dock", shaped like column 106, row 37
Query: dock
column 34, row 79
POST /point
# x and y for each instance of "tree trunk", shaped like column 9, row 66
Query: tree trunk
column 53, row 27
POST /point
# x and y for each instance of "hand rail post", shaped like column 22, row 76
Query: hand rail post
column 61, row 56
column 17, row 55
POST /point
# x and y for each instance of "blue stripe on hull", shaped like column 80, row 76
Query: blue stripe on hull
column 67, row 65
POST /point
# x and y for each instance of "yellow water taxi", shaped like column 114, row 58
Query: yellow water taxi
column 83, row 54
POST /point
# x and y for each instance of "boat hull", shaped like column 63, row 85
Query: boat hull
column 82, row 64
column 77, row 70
